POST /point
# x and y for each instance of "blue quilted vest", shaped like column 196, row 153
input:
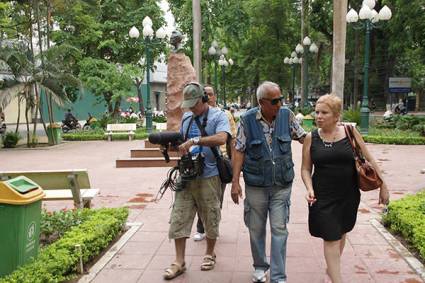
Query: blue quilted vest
column 262, row 167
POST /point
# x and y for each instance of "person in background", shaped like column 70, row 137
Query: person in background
column 225, row 149
column 332, row 190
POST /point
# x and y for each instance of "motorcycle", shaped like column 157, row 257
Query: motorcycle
column 400, row 109
column 2, row 127
column 89, row 122
column 70, row 125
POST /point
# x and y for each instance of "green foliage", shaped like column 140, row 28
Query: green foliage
column 403, row 122
column 159, row 119
column 395, row 140
column 420, row 128
column 351, row 115
column 393, row 136
column 54, row 224
column 99, row 134
column 11, row 139
column 58, row 261
column 128, row 120
column 306, row 110
column 407, row 218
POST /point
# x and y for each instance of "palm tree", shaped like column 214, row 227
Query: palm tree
column 26, row 76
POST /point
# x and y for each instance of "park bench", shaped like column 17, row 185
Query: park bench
column 71, row 184
column 116, row 129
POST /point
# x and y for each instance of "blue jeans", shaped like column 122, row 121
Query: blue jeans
column 275, row 202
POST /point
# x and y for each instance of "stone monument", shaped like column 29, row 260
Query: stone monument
column 179, row 72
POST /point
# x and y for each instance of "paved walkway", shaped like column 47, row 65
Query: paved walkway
column 368, row 257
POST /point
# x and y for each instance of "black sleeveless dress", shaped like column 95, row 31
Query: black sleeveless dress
column 335, row 187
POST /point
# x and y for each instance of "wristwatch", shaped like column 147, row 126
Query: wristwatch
column 195, row 140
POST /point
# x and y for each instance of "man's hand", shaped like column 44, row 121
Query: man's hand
column 236, row 192
column 184, row 147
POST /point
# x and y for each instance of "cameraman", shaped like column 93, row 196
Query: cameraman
column 201, row 194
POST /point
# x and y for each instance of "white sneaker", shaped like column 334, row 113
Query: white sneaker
column 259, row 275
column 198, row 236
column 281, row 281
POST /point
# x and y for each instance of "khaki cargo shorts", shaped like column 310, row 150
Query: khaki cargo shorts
column 201, row 195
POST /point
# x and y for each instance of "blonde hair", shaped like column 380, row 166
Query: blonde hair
column 333, row 102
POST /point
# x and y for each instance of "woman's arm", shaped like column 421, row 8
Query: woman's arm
column 306, row 168
column 384, row 195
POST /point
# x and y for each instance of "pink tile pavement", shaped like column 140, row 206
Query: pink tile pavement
column 367, row 258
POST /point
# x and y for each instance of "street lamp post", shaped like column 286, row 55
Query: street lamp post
column 148, row 35
column 215, row 52
column 292, row 61
column 223, row 62
column 370, row 19
column 302, row 50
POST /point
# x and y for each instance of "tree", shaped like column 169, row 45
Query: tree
column 99, row 30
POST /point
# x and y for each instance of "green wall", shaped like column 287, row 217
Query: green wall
column 84, row 104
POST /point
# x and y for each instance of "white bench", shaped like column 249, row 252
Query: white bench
column 115, row 129
column 60, row 184
column 160, row 126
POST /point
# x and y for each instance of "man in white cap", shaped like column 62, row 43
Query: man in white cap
column 200, row 194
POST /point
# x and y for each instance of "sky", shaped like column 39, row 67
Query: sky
column 169, row 18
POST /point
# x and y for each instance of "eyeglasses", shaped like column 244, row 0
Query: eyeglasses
column 275, row 101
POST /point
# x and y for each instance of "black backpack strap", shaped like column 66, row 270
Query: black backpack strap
column 188, row 127
column 204, row 134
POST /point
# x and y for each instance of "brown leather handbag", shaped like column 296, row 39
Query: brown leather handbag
column 368, row 177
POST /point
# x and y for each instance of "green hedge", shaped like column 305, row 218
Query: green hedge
column 100, row 135
column 58, row 262
column 394, row 140
column 406, row 217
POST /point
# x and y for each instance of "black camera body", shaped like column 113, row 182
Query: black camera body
column 166, row 139
column 189, row 166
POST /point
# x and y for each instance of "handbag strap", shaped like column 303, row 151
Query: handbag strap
column 354, row 143
column 204, row 133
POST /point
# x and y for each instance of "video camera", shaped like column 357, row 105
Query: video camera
column 166, row 139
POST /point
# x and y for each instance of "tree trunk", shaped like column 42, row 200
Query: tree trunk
column 20, row 98
column 338, row 57
column 140, row 96
column 197, row 25
column 117, row 107
column 27, row 107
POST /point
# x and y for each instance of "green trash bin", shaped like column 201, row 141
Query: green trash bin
column 308, row 121
column 20, row 215
column 54, row 134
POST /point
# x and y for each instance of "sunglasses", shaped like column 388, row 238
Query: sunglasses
column 275, row 101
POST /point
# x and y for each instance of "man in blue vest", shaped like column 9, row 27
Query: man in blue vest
column 201, row 193
column 263, row 153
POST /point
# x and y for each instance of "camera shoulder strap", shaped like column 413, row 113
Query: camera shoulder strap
column 204, row 133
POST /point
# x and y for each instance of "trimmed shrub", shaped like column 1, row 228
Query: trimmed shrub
column 351, row 115
column 11, row 139
column 395, row 140
column 58, row 262
column 406, row 217
column 99, row 134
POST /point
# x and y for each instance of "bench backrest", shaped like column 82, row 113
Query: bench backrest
column 51, row 179
column 121, row 127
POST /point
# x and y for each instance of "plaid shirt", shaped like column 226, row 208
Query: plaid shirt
column 297, row 132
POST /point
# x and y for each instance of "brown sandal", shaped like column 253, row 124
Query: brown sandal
column 208, row 262
column 174, row 270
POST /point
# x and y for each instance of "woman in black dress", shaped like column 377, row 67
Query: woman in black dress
column 332, row 191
